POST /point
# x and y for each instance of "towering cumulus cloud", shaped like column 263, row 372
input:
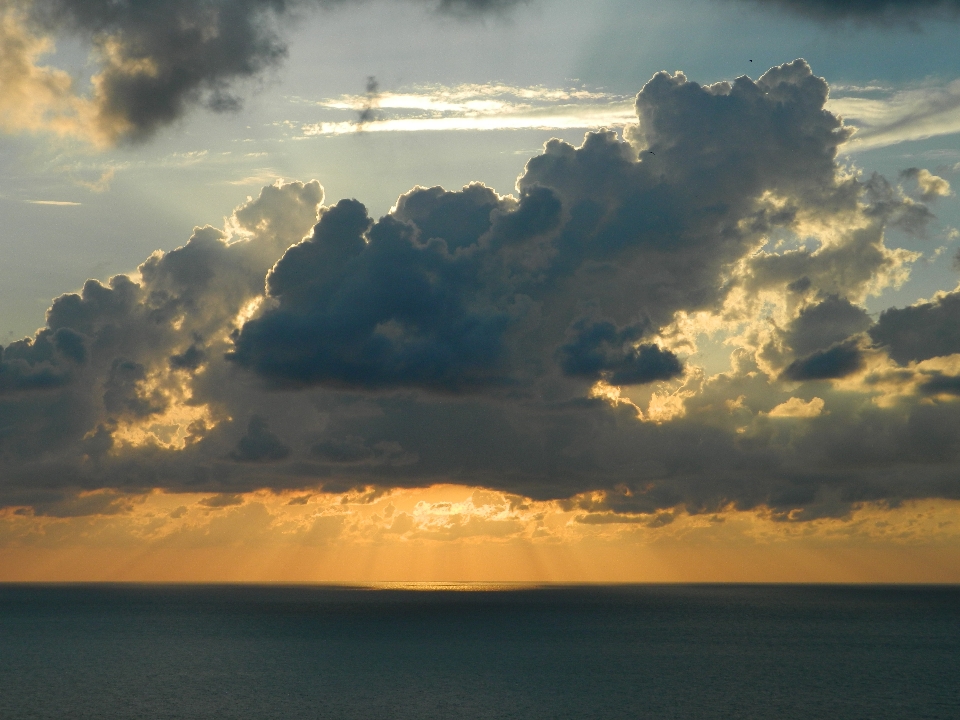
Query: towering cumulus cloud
column 543, row 343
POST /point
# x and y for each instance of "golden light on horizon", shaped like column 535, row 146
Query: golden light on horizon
column 457, row 534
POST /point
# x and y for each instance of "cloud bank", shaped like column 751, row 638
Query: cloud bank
column 543, row 344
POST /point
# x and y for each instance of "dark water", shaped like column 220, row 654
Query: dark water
column 598, row 652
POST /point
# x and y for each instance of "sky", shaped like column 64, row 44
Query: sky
column 428, row 291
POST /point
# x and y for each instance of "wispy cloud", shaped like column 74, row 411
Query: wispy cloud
column 101, row 184
column 264, row 176
column 62, row 203
column 185, row 159
column 477, row 107
column 885, row 116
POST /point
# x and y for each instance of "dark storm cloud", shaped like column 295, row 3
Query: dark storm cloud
column 836, row 361
column 598, row 350
column 939, row 383
column 159, row 58
column 33, row 365
column 820, row 339
column 190, row 359
column 830, row 321
column 105, row 503
column 388, row 312
column 123, row 392
column 461, row 337
column 259, row 444
column 473, row 7
column 887, row 12
column 922, row 331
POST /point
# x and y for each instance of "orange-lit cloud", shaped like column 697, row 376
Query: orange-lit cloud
column 453, row 533
column 35, row 97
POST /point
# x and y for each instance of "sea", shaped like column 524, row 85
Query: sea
column 253, row 652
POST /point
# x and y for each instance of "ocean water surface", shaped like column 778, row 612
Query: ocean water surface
column 660, row 651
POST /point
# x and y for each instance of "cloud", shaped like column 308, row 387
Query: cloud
column 259, row 444
column 565, row 118
column 474, row 7
column 35, row 97
column 885, row 12
column 921, row 331
column 836, row 361
column 822, row 338
column 930, row 187
column 84, row 504
column 221, row 501
column 797, row 408
column 829, row 321
column 941, row 384
column 369, row 110
column 156, row 61
column 598, row 350
column 386, row 312
column 405, row 302
column 541, row 345
column 887, row 116
column 474, row 107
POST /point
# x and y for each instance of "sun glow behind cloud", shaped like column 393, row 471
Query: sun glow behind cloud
column 474, row 107
column 452, row 533
column 283, row 354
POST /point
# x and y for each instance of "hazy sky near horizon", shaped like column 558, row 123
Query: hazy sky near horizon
column 590, row 280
